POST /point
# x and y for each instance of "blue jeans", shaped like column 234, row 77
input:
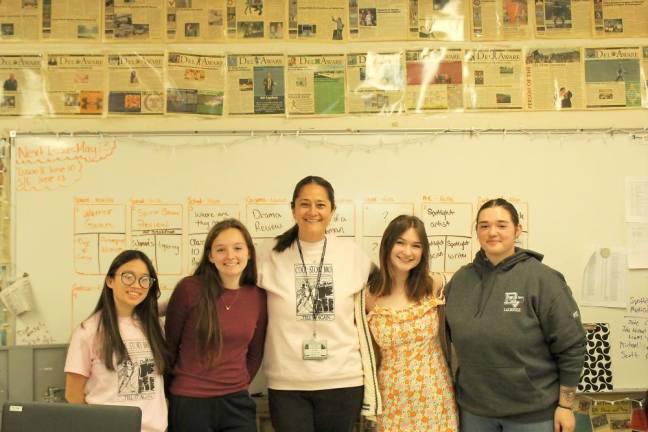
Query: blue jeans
column 474, row 423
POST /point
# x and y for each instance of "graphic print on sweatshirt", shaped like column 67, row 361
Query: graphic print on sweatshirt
column 136, row 378
column 512, row 302
column 309, row 297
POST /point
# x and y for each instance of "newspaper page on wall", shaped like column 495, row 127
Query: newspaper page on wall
column 22, row 90
column 71, row 20
column 434, row 79
column 127, row 20
column 644, row 74
column 376, row 82
column 563, row 18
column 612, row 77
column 75, row 83
column 317, row 20
column 620, row 18
column 195, row 84
column 135, row 84
column 500, row 19
column 437, row 19
column 256, row 19
column 315, row 84
column 493, row 79
column 255, row 84
column 554, row 79
column 196, row 20
column 378, row 19
column 19, row 20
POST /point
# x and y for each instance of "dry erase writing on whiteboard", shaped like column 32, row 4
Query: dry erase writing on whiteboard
column 343, row 221
column 52, row 176
column 268, row 219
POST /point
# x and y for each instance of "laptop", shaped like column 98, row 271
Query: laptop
column 63, row 417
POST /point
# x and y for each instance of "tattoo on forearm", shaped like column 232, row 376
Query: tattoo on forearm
column 568, row 395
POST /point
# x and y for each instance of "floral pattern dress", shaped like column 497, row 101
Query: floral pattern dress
column 413, row 377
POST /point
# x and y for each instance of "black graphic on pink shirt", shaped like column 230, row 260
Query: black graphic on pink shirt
column 136, row 375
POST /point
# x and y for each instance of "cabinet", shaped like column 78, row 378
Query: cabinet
column 32, row 373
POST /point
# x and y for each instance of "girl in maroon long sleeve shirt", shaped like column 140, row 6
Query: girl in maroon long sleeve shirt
column 215, row 330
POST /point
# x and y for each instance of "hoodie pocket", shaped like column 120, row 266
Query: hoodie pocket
column 497, row 391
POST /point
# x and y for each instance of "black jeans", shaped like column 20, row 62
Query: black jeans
column 333, row 410
column 234, row 412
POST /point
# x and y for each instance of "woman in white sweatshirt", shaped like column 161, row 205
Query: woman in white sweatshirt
column 313, row 360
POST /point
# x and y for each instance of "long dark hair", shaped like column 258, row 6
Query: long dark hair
column 500, row 202
column 286, row 239
column 112, row 343
column 419, row 283
column 210, row 337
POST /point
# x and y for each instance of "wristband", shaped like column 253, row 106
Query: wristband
column 564, row 407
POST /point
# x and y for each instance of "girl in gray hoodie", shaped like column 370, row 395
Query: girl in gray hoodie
column 517, row 334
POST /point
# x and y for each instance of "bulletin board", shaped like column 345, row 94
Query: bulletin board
column 81, row 199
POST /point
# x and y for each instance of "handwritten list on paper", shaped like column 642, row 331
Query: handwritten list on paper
column 448, row 226
column 633, row 340
column 638, row 305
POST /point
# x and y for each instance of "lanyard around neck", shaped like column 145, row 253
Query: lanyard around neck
column 319, row 275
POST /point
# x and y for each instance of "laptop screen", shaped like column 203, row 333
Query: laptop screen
column 63, row 417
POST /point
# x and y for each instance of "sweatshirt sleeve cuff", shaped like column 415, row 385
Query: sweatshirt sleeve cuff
column 569, row 379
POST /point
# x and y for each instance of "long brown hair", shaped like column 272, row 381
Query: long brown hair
column 112, row 343
column 419, row 283
column 210, row 338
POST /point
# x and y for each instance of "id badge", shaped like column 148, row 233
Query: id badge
column 314, row 349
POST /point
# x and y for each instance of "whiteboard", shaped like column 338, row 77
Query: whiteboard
column 79, row 200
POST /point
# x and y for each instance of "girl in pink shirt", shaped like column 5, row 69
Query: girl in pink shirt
column 117, row 355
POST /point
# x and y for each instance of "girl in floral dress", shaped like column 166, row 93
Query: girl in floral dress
column 404, row 303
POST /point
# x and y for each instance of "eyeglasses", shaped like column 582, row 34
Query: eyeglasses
column 129, row 279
